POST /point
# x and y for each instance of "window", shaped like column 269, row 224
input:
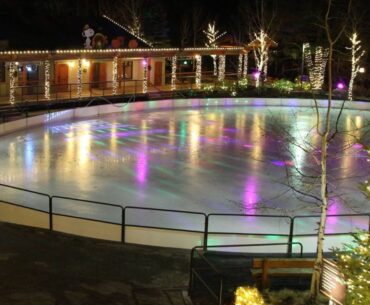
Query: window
column 2, row 72
column 127, row 70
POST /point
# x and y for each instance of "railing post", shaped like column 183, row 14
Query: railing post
column 290, row 240
column 50, row 213
column 205, row 236
column 123, row 225
column 70, row 91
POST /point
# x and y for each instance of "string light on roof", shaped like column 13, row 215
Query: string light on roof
column 128, row 30
column 47, row 79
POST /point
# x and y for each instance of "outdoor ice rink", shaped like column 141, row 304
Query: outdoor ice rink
column 212, row 160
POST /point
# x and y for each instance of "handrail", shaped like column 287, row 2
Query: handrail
column 219, row 274
column 206, row 216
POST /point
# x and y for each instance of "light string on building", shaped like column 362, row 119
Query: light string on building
column 198, row 71
column 47, row 79
column 138, row 51
column 221, row 68
column 12, row 81
column 173, row 72
column 115, row 75
column 316, row 69
column 128, row 30
column 240, row 65
column 145, row 75
column 245, row 65
column 79, row 78
column 356, row 55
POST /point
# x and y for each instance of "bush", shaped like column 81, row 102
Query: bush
column 283, row 85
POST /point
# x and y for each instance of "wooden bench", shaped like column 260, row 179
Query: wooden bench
column 264, row 268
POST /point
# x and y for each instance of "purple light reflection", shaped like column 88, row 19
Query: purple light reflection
column 251, row 197
column 142, row 167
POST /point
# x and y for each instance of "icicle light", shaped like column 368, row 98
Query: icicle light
column 47, row 79
column 245, row 66
column 145, row 75
column 12, row 81
column 356, row 55
column 173, row 72
column 240, row 65
column 198, row 71
column 221, row 68
column 79, row 78
column 115, row 75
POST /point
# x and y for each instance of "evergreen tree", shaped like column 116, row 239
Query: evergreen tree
column 354, row 263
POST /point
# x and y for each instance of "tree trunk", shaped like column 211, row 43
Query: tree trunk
column 315, row 282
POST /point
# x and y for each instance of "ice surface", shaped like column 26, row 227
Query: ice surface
column 212, row 160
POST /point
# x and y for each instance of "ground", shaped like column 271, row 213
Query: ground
column 39, row 267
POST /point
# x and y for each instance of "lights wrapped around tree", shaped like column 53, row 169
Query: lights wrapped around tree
column 47, row 79
column 198, row 71
column 261, row 53
column 316, row 69
column 245, row 65
column 212, row 36
column 240, row 65
column 115, row 75
column 12, row 81
column 221, row 68
column 79, row 78
column 145, row 75
column 356, row 55
column 173, row 72
column 248, row 296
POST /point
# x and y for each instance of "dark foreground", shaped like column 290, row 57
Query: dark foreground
column 38, row 267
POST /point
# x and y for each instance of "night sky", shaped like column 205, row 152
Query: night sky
column 51, row 24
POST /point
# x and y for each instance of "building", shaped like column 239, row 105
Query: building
column 120, row 64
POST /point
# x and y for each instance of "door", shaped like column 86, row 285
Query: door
column 62, row 77
column 99, row 75
column 102, row 75
column 158, row 73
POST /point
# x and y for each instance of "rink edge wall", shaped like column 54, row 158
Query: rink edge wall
column 95, row 111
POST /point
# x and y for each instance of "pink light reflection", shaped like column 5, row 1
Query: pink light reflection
column 331, row 222
column 251, row 197
column 142, row 167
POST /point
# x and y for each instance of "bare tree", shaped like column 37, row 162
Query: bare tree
column 326, row 136
column 184, row 31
